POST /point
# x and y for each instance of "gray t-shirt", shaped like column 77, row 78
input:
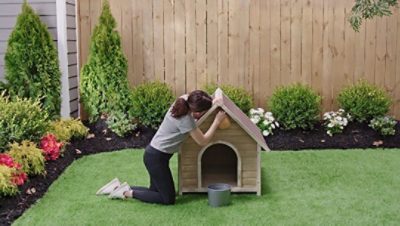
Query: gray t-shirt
column 172, row 132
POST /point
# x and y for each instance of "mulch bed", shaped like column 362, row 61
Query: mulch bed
column 355, row 135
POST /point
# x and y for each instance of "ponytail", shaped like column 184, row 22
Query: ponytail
column 180, row 108
column 197, row 101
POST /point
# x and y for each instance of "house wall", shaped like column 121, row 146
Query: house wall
column 47, row 10
column 234, row 135
column 72, row 53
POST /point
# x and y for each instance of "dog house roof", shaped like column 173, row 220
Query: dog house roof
column 238, row 116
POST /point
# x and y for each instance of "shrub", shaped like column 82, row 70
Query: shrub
column 3, row 89
column 21, row 119
column 384, row 125
column 119, row 123
column 50, row 146
column 28, row 156
column 18, row 176
column 104, row 85
column 66, row 129
column 364, row 101
column 31, row 62
column 7, row 187
column 150, row 103
column 295, row 106
column 239, row 96
column 264, row 120
column 335, row 122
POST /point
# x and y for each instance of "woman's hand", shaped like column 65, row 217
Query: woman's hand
column 203, row 139
column 221, row 115
column 217, row 100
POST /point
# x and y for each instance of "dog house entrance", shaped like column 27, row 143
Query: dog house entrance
column 219, row 165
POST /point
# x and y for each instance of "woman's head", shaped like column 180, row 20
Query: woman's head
column 197, row 102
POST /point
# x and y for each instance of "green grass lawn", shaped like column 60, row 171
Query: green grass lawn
column 352, row 187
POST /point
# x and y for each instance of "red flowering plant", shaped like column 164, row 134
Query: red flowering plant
column 19, row 177
column 50, row 146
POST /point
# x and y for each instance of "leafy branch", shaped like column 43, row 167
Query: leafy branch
column 367, row 9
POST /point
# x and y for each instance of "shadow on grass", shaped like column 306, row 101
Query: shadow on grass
column 188, row 198
column 265, row 179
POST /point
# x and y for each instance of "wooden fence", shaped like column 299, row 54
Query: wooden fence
column 254, row 44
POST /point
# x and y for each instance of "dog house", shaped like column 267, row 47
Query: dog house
column 232, row 156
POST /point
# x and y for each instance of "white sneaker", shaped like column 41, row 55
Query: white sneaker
column 109, row 187
column 119, row 192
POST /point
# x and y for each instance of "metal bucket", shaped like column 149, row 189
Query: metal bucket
column 219, row 194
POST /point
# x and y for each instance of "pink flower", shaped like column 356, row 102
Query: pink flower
column 50, row 147
column 19, row 177
column 5, row 159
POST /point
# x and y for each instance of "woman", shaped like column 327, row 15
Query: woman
column 177, row 124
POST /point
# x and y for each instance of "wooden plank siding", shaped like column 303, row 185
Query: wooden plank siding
column 235, row 135
column 255, row 44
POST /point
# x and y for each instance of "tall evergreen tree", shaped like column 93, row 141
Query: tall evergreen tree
column 31, row 62
column 104, row 84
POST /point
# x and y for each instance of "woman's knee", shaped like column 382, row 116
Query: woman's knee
column 169, row 200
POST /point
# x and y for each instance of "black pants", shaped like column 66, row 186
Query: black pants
column 162, row 188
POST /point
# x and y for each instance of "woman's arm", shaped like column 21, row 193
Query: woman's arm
column 203, row 139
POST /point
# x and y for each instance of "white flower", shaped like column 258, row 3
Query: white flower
column 270, row 118
column 265, row 132
column 273, row 126
column 268, row 114
column 277, row 124
column 330, row 125
column 265, row 122
column 255, row 119
column 327, row 116
column 260, row 110
column 252, row 111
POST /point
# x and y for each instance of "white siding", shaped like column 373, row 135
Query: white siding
column 72, row 58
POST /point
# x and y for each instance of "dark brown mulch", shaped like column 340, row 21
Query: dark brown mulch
column 356, row 135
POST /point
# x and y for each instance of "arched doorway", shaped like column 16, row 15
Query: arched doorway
column 219, row 164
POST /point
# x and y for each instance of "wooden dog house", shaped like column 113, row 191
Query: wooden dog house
column 232, row 156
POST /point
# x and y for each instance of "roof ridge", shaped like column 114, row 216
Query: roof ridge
column 236, row 114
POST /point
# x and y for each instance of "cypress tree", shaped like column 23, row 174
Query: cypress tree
column 104, row 85
column 31, row 62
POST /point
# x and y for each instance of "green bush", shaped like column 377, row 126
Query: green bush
column 3, row 89
column 29, row 157
column 66, row 129
column 31, row 62
column 104, row 85
column 150, row 103
column 364, row 101
column 119, row 123
column 21, row 119
column 239, row 96
column 7, row 187
column 295, row 106
column 384, row 125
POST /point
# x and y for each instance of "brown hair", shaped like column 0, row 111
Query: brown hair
column 197, row 101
